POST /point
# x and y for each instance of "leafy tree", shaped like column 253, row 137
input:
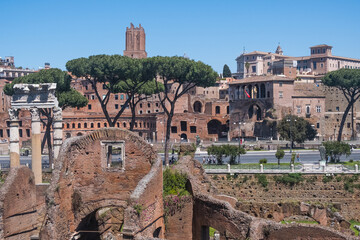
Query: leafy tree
column 295, row 129
column 178, row 76
column 226, row 71
column 218, row 152
column 67, row 97
column 279, row 155
column 335, row 149
column 348, row 82
column 226, row 151
column 109, row 74
column 174, row 183
column 232, row 152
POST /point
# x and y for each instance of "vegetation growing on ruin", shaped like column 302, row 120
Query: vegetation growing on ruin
column 353, row 223
column 174, row 183
column 299, row 221
column 262, row 180
column 290, row 179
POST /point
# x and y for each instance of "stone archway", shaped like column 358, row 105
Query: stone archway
column 197, row 107
column 183, row 137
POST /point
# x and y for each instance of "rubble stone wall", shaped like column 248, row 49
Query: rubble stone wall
column 83, row 183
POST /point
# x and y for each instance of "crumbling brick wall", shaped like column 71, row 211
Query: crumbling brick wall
column 83, row 184
column 18, row 205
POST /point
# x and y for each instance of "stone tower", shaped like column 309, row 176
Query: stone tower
column 135, row 42
column 279, row 50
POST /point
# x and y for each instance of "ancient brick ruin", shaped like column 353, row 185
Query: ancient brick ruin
column 108, row 185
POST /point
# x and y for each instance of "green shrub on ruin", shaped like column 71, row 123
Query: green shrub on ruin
column 174, row 183
column 290, row 179
column 262, row 180
column 327, row 179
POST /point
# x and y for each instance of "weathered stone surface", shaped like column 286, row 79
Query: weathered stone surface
column 83, row 184
column 18, row 206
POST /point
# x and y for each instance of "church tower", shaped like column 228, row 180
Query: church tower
column 279, row 50
column 135, row 42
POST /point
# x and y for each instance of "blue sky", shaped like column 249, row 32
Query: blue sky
column 214, row 32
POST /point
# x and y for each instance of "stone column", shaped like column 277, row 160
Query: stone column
column 36, row 145
column 58, row 133
column 14, row 138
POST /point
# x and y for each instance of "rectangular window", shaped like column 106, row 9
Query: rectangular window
column 114, row 154
column 121, row 97
column 116, row 106
column 1, row 133
column 89, row 106
column 116, row 97
column 298, row 109
column 337, row 109
column 92, row 97
column 98, row 125
column 183, row 126
column 20, row 133
column 253, row 69
column 348, row 125
column 307, row 109
column 105, row 124
column 193, row 129
column 173, row 129
column 317, row 125
column 318, row 109
column 280, row 84
column 280, row 94
column 28, row 132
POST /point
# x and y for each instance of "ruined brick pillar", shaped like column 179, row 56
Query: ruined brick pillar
column 36, row 145
column 58, row 133
column 14, row 138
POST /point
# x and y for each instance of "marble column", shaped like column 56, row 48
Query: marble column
column 14, row 138
column 36, row 145
column 58, row 133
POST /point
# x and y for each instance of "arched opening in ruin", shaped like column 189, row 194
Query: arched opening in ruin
column 249, row 91
column 251, row 111
column 183, row 137
column 216, row 127
column 79, row 134
column 243, row 94
column 68, row 135
column 197, row 107
column 262, row 91
column 103, row 223
column 157, row 232
column 88, row 228
column 255, row 109
column 208, row 232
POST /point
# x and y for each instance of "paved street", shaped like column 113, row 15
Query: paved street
column 306, row 156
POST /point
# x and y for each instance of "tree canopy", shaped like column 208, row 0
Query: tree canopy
column 348, row 82
column 279, row 155
column 111, row 74
column 178, row 76
column 335, row 149
column 226, row 71
column 66, row 95
column 296, row 129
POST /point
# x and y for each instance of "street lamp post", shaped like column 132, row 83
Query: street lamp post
column 239, row 136
column 291, row 137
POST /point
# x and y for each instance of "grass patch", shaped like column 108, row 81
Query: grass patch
column 353, row 222
column 299, row 221
column 248, row 166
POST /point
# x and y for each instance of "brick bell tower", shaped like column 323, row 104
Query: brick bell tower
column 135, row 42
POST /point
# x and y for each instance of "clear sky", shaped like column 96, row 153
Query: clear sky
column 215, row 32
